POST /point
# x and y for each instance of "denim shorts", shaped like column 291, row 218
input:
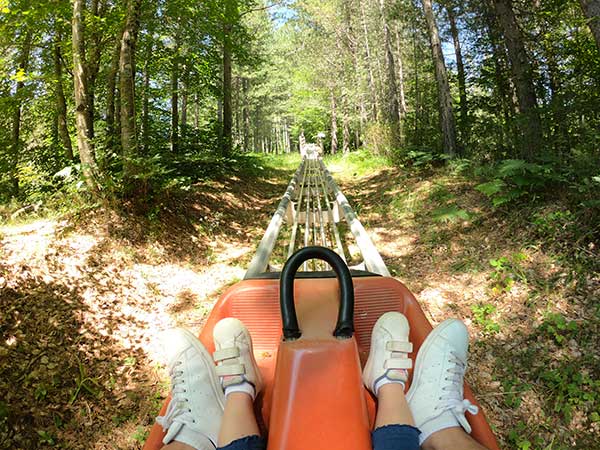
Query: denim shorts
column 390, row 437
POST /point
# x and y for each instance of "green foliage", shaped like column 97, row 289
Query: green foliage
column 571, row 389
column 516, row 178
column 84, row 383
column 45, row 437
column 506, row 271
column 482, row 313
column 141, row 434
column 358, row 164
column 451, row 214
column 558, row 327
column 519, row 437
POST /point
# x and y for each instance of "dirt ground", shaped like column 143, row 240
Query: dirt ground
column 84, row 299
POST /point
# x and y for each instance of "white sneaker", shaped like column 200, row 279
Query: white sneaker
column 436, row 396
column 194, row 414
column 388, row 359
column 234, row 356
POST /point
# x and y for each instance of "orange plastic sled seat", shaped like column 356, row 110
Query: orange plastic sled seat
column 314, row 398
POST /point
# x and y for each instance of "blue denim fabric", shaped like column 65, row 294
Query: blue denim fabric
column 390, row 437
column 396, row 437
column 247, row 443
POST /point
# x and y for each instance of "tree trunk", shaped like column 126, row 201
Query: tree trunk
column 184, row 100
column 146, row 101
column 15, row 152
column 591, row 10
column 82, row 119
column 522, row 74
column 334, row 139
column 401, row 88
column 417, row 125
column 227, row 142
column 61, row 102
column 372, row 87
column 391, row 87
column 93, row 64
column 175, row 103
column 246, row 114
column 462, row 79
column 447, row 120
column 111, row 94
column 346, row 135
column 129, row 137
column 196, row 111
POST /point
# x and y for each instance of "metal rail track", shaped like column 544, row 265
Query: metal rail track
column 310, row 210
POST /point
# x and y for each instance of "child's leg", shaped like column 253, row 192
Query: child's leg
column 239, row 420
column 241, row 380
column 384, row 375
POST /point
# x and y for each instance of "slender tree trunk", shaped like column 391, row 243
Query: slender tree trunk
column 61, row 101
column 175, row 103
column 93, row 64
column 196, row 111
column 391, row 86
column 401, row 88
column 372, row 87
column 334, row 139
column 111, row 94
column 445, row 99
column 591, row 10
column 522, row 73
column 417, row 129
column 346, row 134
column 129, row 136
column 82, row 119
column 146, row 101
column 184, row 100
column 15, row 153
column 503, row 87
column 462, row 79
column 227, row 143
column 246, row 114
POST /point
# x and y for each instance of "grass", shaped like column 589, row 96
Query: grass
column 355, row 164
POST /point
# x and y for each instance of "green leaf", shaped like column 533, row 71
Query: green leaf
column 511, row 167
column 3, row 410
column 20, row 76
column 450, row 214
column 491, row 188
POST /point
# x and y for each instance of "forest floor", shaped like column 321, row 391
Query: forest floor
column 84, row 297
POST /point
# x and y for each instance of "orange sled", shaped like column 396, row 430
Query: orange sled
column 311, row 339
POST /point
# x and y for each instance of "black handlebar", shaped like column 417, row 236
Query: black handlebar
column 345, row 322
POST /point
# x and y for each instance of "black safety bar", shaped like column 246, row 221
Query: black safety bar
column 345, row 321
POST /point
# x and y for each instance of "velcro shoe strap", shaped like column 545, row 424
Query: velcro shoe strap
column 398, row 363
column 399, row 346
column 225, row 370
column 226, row 353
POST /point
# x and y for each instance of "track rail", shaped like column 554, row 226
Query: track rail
column 309, row 211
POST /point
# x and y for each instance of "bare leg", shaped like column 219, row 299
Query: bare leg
column 392, row 407
column 239, row 420
column 451, row 438
column 177, row 446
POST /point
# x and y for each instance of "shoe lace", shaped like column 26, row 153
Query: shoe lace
column 453, row 400
column 178, row 412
